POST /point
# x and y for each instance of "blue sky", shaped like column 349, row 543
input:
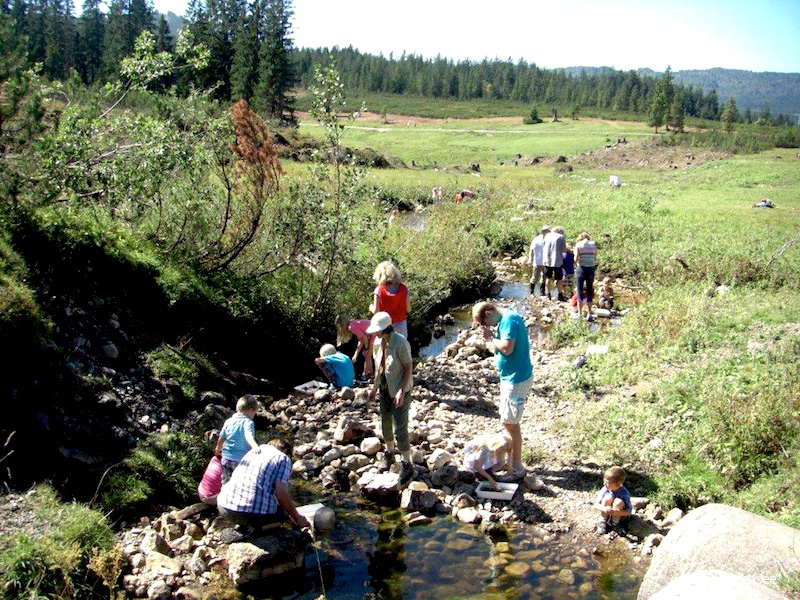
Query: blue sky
column 757, row 35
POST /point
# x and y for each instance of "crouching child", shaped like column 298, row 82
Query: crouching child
column 613, row 501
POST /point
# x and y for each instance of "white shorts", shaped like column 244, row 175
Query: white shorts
column 512, row 400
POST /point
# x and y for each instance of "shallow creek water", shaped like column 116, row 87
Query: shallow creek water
column 372, row 553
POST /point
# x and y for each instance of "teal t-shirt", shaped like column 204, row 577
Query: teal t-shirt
column 516, row 367
column 343, row 367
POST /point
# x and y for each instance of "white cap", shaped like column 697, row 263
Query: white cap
column 379, row 322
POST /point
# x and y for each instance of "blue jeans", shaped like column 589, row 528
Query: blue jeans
column 585, row 276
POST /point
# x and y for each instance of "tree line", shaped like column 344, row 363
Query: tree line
column 251, row 56
column 249, row 45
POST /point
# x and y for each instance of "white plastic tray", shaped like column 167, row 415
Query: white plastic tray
column 504, row 491
column 310, row 387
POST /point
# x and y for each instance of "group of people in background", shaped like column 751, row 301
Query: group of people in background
column 555, row 262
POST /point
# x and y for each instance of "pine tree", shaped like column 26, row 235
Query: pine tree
column 658, row 106
column 277, row 75
column 244, row 67
column 676, row 112
column 730, row 114
column 164, row 41
column 91, row 29
column 116, row 41
column 765, row 117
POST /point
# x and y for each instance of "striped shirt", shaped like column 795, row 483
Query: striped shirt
column 252, row 485
column 586, row 251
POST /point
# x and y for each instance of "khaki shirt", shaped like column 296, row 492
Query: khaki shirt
column 398, row 354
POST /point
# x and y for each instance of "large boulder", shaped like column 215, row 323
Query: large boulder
column 716, row 584
column 716, row 537
column 266, row 556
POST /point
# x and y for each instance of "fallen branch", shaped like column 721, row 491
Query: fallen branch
column 780, row 252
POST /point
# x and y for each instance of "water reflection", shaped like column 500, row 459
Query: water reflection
column 447, row 559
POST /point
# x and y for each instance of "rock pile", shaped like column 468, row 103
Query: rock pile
column 338, row 441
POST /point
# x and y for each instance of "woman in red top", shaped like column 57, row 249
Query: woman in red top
column 391, row 296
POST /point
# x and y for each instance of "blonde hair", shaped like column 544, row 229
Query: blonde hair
column 480, row 309
column 343, row 333
column 584, row 236
column 246, row 403
column 498, row 442
column 386, row 272
column 559, row 229
column 327, row 350
column 615, row 475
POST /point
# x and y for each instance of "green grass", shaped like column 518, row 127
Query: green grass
column 54, row 563
column 485, row 141
column 711, row 420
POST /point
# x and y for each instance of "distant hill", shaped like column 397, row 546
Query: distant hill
column 779, row 91
column 175, row 23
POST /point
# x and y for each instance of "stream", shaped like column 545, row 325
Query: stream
column 373, row 553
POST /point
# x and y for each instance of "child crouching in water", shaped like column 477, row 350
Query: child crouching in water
column 487, row 454
column 613, row 501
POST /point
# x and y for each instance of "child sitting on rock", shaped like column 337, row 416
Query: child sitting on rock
column 613, row 501
column 487, row 454
column 606, row 295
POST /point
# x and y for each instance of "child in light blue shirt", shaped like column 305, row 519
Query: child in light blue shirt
column 237, row 436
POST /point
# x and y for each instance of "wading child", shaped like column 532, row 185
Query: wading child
column 487, row 454
column 345, row 330
column 237, row 436
column 336, row 366
column 613, row 501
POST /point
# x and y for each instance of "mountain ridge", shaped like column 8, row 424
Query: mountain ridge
column 751, row 89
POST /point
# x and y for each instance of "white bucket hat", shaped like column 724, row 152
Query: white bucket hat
column 379, row 322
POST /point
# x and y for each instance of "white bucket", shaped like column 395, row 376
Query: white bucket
column 321, row 517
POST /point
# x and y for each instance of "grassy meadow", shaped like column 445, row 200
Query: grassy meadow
column 700, row 391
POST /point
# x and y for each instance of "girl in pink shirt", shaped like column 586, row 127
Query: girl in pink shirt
column 346, row 329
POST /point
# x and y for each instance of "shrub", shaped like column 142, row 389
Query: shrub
column 164, row 469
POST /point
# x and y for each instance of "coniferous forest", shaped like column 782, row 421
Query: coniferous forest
column 251, row 55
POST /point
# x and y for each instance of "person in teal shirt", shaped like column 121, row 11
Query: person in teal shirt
column 512, row 347
column 338, row 367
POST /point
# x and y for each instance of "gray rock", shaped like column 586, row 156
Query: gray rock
column 439, row 458
column 720, row 537
column 418, row 500
column 716, row 584
column 349, row 430
column 468, row 515
column 371, row 446
column 446, row 476
column 265, row 557
column 380, row 486
column 159, row 590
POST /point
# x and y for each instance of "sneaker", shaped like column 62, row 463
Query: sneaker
column 562, row 298
column 589, row 318
column 512, row 476
column 388, row 459
column 602, row 527
column 406, row 472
